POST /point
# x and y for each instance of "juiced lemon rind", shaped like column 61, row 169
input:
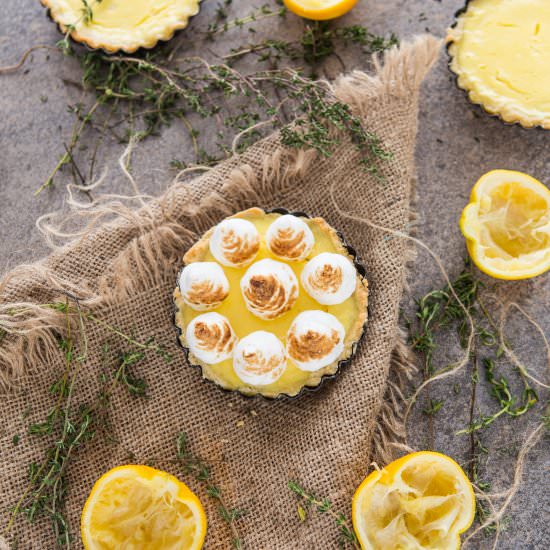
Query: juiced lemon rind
column 529, row 264
column 157, row 483
column 390, row 476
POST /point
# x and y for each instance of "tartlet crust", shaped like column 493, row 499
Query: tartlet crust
column 499, row 107
column 158, row 34
column 353, row 335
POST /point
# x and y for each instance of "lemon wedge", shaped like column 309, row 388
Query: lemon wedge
column 507, row 225
column 142, row 508
column 320, row 9
column 421, row 501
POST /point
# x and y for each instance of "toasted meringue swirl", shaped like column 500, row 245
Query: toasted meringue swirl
column 203, row 285
column 210, row 338
column 259, row 358
column 269, row 288
column 290, row 238
column 329, row 278
column 235, row 242
column 314, row 340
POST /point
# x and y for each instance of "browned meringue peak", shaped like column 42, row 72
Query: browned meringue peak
column 235, row 242
column 203, row 285
column 259, row 358
column 269, row 288
column 290, row 238
column 314, row 340
column 210, row 337
column 329, row 278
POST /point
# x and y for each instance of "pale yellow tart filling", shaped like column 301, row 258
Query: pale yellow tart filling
column 500, row 50
column 351, row 313
column 126, row 25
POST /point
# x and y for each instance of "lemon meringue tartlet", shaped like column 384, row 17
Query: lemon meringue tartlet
column 121, row 25
column 270, row 302
column 500, row 53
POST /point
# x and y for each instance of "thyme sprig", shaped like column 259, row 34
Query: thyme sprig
column 439, row 312
column 135, row 96
column 319, row 41
column 72, row 426
column 500, row 390
column 222, row 23
column 324, row 506
column 192, row 464
column 86, row 17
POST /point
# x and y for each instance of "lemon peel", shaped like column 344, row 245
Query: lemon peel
column 423, row 500
column 507, row 225
column 144, row 508
column 320, row 10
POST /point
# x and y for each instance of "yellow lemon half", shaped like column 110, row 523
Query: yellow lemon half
column 421, row 501
column 142, row 508
column 507, row 225
column 320, row 9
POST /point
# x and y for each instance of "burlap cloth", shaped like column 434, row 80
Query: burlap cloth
column 125, row 271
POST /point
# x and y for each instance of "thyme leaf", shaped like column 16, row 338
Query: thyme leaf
column 324, row 506
column 194, row 465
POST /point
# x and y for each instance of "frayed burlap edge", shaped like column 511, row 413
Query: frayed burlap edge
column 160, row 229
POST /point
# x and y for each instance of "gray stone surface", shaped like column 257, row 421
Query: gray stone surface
column 456, row 144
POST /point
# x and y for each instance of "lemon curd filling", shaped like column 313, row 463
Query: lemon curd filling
column 123, row 24
column 500, row 50
column 351, row 313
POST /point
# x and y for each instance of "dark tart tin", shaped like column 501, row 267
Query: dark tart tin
column 361, row 270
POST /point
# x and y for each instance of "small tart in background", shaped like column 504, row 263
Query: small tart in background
column 121, row 25
column 500, row 52
column 271, row 334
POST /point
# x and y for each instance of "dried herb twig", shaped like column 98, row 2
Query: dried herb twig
column 324, row 506
column 195, row 466
column 72, row 426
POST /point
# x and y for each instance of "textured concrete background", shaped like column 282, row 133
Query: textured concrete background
column 456, row 144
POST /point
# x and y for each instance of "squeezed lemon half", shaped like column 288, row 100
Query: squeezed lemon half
column 421, row 501
column 507, row 225
column 142, row 508
column 320, row 9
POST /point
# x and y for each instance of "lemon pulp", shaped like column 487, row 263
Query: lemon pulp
column 516, row 220
column 507, row 225
column 244, row 322
column 141, row 513
column 424, row 504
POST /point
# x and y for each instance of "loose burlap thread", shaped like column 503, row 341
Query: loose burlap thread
column 124, row 270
